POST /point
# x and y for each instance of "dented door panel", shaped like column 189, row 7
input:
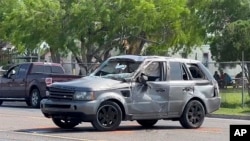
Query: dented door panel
column 149, row 99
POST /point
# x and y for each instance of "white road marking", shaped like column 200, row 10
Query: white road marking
column 51, row 136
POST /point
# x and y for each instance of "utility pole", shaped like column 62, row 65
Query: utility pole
column 243, row 82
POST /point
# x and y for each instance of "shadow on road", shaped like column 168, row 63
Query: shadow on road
column 16, row 104
column 91, row 129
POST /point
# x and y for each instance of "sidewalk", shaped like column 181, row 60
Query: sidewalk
column 242, row 117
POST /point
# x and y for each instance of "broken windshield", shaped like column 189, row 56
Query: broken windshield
column 118, row 69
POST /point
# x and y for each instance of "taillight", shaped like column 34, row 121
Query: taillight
column 48, row 81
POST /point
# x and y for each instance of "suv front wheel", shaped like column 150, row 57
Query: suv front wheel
column 193, row 115
column 108, row 116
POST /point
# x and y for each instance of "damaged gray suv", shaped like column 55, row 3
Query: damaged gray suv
column 141, row 88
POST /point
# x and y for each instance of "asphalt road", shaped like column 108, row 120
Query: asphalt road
column 20, row 123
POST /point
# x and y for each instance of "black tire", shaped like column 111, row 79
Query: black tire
column 1, row 102
column 65, row 123
column 108, row 117
column 27, row 100
column 147, row 123
column 193, row 115
column 35, row 98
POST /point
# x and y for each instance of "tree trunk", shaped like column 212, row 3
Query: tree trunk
column 136, row 44
column 55, row 56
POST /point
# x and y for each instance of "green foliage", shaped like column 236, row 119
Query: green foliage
column 228, row 28
column 234, row 37
column 227, row 23
column 99, row 26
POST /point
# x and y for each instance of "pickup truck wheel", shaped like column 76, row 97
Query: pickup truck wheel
column 108, row 117
column 147, row 123
column 193, row 115
column 35, row 98
column 65, row 123
column 27, row 100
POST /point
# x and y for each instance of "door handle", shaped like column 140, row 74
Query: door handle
column 160, row 90
column 188, row 89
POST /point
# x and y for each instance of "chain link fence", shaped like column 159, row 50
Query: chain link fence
column 233, row 82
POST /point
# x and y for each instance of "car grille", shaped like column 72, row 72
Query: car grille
column 60, row 93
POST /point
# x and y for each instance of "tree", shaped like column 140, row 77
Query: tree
column 28, row 23
column 233, row 41
column 102, row 26
column 228, row 28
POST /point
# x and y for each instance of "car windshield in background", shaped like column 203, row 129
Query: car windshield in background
column 118, row 69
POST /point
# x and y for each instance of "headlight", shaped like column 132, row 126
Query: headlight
column 83, row 95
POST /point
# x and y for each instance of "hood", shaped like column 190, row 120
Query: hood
column 90, row 83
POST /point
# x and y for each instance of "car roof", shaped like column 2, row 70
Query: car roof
column 43, row 63
column 162, row 58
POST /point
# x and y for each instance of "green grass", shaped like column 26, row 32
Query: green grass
column 232, row 104
column 236, row 111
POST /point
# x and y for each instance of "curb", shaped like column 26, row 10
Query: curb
column 242, row 117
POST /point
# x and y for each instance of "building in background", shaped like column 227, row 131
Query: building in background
column 204, row 55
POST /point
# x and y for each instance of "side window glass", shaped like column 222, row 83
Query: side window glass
column 57, row 69
column 153, row 71
column 13, row 72
column 47, row 69
column 176, row 72
column 196, row 72
column 37, row 68
column 23, row 70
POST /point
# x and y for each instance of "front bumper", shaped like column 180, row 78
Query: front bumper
column 81, row 110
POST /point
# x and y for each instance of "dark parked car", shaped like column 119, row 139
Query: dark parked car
column 28, row 81
column 141, row 88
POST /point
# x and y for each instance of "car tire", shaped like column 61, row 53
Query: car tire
column 108, row 117
column 1, row 102
column 193, row 115
column 147, row 123
column 65, row 123
column 35, row 98
column 27, row 100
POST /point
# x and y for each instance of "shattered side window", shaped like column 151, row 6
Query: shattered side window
column 196, row 72
column 153, row 71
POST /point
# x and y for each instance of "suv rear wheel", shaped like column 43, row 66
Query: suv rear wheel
column 108, row 116
column 65, row 123
column 193, row 115
column 147, row 123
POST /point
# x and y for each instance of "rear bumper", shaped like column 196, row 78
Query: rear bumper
column 81, row 110
column 213, row 104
